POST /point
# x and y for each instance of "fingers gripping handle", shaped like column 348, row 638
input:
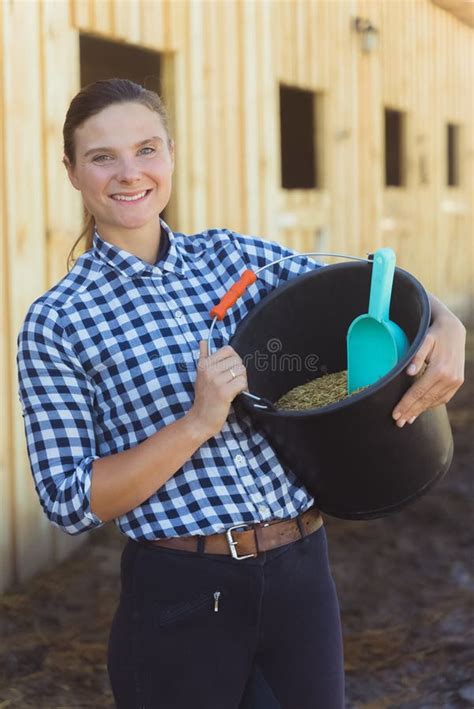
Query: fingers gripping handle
column 233, row 294
column 219, row 311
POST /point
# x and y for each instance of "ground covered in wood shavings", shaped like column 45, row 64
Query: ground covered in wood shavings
column 405, row 585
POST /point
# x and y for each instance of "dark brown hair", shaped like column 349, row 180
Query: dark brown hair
column 91, row 100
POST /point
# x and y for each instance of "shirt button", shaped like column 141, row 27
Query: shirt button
column 179, row 315
column 239, row 459
column 264, row 510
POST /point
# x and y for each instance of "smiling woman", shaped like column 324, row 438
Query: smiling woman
column 127, row 183
column 223, row 541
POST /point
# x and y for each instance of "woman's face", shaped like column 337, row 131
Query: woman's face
column 123, row 167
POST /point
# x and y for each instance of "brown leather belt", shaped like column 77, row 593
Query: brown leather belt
column 252, row 540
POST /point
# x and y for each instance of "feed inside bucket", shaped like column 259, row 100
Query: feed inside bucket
column 374, row 342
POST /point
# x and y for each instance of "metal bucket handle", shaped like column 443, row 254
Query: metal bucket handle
column 237, row 289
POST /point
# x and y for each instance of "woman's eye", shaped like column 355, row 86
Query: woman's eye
column 106, row 158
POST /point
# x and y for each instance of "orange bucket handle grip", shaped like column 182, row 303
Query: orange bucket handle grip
column 233, row 294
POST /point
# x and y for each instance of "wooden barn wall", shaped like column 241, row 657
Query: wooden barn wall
column 222, row 64
column 24, row 269
column 423, row 67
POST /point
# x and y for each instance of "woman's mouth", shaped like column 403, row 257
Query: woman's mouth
column 130, row 198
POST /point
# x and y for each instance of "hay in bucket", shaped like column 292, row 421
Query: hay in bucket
column 316, row 393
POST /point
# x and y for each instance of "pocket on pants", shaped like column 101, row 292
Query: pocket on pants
column 207, row 603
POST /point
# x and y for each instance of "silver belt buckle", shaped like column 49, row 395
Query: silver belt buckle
column 232, row 544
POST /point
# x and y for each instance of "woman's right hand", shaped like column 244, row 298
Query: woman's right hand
column 215, row 388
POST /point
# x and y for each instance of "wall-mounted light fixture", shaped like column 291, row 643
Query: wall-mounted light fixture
column 368, row 33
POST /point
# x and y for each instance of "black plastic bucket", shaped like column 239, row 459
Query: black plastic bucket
column 350, row 455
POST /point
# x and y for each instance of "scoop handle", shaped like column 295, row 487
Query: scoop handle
column 383, row 270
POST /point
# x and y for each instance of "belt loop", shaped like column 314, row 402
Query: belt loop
column 255, row 536
column 200, row 543
column 300, row 527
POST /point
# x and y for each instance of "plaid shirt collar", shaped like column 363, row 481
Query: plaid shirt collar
column 130, row 265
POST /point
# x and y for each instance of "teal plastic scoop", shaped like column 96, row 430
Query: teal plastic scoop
column 374, row 343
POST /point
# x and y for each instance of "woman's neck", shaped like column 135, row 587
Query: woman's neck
column 144, row 243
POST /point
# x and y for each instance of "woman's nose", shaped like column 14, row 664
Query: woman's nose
column 128, row 171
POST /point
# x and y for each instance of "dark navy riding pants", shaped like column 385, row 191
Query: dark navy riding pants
column 205, row 631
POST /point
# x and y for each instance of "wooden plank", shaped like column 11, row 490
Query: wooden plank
column 215, row 128
column 455, row 43
column 26, row 254
column 424, row 128
column 278, row 40
column 438, row 107
column 324, row 40
column 370, row 139
column 197, row 108
column 179, row 108
column 173, row 33
column 457, row 204
column 386, row 53
column 7, row 373
column 350, row 238
column 154, row 20
column 300, row 48
column 101, row 17
column 342, row 106
column 268, row 157
column 408, row 103
column 250, row 104
column 229, row 70
column 313, row 40
column 63, row 209
column 287, row 29
column 81, row 14
column 467, row 149
column 127, row 20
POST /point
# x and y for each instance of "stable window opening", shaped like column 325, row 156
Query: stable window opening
column 394, row 148
column 300, row 138
column 452, row 155
column 104, row 59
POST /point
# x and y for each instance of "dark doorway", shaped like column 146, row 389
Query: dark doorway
column 103, row 59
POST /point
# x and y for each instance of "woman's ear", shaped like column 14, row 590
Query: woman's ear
column 70, row 173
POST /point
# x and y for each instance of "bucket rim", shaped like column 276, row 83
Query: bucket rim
column 354, row 399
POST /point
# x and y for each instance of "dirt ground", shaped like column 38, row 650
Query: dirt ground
column 405, row 586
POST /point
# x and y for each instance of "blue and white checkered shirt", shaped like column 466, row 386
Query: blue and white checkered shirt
column 108, row 356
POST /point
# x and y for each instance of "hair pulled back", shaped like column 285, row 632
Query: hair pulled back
column 91, row 100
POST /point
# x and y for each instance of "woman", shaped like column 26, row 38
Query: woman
column 128, row 418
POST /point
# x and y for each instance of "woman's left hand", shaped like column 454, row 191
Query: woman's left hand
column 439, row 362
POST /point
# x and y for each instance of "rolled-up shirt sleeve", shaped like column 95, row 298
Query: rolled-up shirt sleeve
column 56, row 398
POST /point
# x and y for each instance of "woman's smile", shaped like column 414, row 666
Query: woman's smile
column 130, row 197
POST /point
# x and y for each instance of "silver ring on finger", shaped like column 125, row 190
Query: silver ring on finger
column 234, row 375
